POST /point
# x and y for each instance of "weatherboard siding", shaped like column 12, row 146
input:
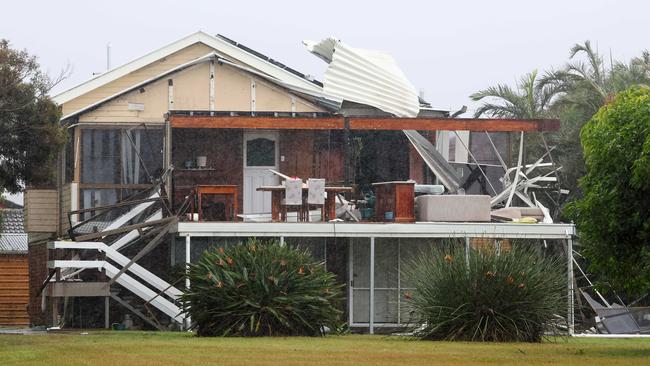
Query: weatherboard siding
column 41, row 210
column 14, row 290
column 192, row 92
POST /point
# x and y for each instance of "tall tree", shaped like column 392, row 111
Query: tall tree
column 587, row 84
column 30, row 134
column 613, row 217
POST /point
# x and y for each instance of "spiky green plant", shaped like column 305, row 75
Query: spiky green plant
column 257, row 288
column 486, row 297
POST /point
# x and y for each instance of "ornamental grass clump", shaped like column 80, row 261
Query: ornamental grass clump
column 261, row 289
column 514, row 296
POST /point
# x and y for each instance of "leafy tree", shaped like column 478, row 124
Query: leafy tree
column 30, row 135
column 613, row 216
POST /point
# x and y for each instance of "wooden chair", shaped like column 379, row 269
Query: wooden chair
column 292, row 198
column 315, row 197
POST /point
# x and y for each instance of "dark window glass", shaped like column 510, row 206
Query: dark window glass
column 260, row 152
column 141, row 155
column 119, row 156
column 100, row 160
column 69, row 157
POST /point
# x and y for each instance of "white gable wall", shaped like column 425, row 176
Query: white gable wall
column 191, row 91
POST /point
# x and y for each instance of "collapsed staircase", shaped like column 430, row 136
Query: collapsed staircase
column 95, row 253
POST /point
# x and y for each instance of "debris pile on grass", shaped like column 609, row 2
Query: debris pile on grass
column 261, row 289
column 485, row 296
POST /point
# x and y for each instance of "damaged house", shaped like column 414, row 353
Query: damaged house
column 198, row 143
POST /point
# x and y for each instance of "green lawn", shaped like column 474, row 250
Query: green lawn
column 143, row 348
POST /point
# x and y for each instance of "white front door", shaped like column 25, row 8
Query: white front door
column 260, row 154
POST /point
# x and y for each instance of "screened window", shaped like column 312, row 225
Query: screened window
column 117, row 163
column 120, row 156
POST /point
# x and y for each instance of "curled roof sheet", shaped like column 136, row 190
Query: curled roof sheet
column 367, row 77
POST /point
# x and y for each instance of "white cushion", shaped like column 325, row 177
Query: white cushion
column 316, row 191
column 293, row 192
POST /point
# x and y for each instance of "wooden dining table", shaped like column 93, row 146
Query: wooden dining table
column 277, row 193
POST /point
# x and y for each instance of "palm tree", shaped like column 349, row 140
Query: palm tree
column 588, row 85
column 530, row 99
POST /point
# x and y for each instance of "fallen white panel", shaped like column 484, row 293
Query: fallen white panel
column 436, row 162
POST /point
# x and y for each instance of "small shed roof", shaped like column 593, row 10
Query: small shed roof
column 12, row 221
column 13, row 243
column 13, row 238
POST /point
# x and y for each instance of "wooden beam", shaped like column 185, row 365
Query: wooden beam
column 365, row 123
column 454, row 124
column 289, row 123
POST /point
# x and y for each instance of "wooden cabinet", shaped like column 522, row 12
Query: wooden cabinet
column 395, row 197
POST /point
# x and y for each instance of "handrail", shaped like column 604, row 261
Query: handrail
column 128, row 282
column 122, row 260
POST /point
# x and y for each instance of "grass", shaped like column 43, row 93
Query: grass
column 146, row 348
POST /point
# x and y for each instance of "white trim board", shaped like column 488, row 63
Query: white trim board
column 397, row 230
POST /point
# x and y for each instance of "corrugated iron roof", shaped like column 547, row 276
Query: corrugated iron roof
column 12, row 221
column 367, row 77
column 13, row 243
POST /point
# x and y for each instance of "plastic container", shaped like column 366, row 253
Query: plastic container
column 201, row 161
column 366, row 213
column 389, row 216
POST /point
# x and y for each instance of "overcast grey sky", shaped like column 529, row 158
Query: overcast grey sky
column 447, row 49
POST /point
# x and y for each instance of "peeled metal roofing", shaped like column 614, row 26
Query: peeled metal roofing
column 367, row 77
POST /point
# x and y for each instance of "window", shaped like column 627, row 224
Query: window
column 119, row 156
column 117, row 162
column 100, row 158
column 260, row 152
